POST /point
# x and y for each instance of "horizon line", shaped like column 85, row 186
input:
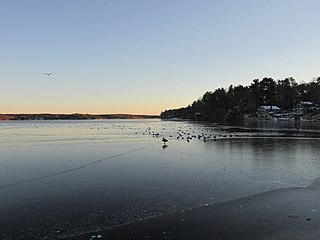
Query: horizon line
column 73, row 113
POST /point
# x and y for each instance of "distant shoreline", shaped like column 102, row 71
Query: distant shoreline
column 74, row 116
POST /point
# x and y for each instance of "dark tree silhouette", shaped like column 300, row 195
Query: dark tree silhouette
column 232, row 103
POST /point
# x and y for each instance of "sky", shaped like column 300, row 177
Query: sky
column 145, row 56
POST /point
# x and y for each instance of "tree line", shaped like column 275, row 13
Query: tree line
column 232, row 103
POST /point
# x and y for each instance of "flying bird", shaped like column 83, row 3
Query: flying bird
column 48, row 74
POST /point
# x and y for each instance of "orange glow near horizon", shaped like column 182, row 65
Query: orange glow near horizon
column 62, row 110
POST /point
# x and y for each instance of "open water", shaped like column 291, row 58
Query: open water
column 63, row 178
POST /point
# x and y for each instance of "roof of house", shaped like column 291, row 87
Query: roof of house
column 306, row 103
column 267, row 107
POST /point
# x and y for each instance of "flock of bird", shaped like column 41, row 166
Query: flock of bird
column 176, row 133
column 189, row 134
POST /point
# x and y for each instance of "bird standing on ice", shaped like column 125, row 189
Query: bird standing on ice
column 164, row 140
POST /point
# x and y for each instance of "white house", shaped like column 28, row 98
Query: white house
column 267, row 111
column 267, row 108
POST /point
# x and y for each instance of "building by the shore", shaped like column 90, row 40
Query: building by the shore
column 267, row 111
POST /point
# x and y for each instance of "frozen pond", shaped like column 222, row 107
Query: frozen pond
column 61, row 178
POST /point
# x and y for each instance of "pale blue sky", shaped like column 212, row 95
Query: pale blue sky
column 145, row 56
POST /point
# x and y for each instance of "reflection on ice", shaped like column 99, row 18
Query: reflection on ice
column 58, row 178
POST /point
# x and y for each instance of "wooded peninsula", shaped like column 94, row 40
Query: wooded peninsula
column 265, row 98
